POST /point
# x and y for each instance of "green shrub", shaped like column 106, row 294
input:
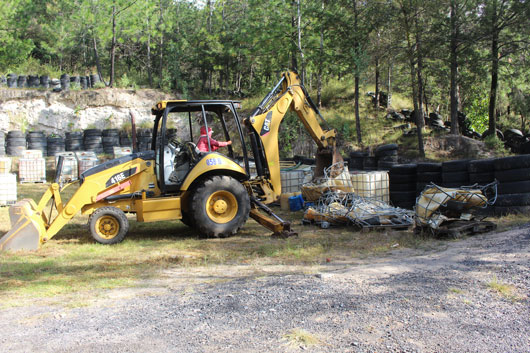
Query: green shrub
column 493, row 143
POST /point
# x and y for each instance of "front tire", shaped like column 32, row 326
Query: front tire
column 108, row 225
column 220, row 207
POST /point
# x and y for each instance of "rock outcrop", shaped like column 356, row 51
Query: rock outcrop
column 74, row 110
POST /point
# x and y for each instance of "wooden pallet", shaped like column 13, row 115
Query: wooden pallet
column 43, row 181
column 457, row 229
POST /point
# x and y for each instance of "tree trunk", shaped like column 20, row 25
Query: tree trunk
column 419, row 72
column 294, row 61
column 357, row 77
column 299, row 31
column 377, row 82
column 454, row 70
column 389, row 84
column 96, row 56
column 415, row 95
column 356, row 107
column 320, row 58
column 113, row 46
column 161, row 44
column 149, row 69
column 492, row 126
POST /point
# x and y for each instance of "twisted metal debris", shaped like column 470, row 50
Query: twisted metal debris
column 437, row 204
column 339, row 205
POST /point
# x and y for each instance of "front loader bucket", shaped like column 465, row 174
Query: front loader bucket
column 27, row 227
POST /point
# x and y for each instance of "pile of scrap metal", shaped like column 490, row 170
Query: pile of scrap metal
column 335, row 203
column 450, row 211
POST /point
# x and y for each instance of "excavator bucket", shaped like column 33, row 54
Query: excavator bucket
column 27, row 227
column 326, row 158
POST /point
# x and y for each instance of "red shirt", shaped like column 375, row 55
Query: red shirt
column 202, row 144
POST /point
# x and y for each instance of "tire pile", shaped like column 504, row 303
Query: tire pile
column 144, row 139
column 93, row 140
column 455, row 173
column 55, row 145
column 15, row 143
column 74, row 141
column 428, row 173
column 513, row 174
column 111, row 139
column 402, row 185
column 44, row 82
column 125, row 140
column 37, row 141
column 481, row 171
column 385, row 156
column 356, row 160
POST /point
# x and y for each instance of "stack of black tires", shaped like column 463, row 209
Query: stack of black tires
column 455, row 174
column 55, row 145
column 93, row 141
column 370, row 163
column 125, row 140
column 356, row 160
column 387, row 156
column 16, row 143
column 45, row 81
column 481, row 171
column 37, row 141
column 403, row 185
column 11, row 80
column 33, row 81
column 74, row 141
column 2, row 143
column 111, row 139
column 75, row 82
column 513, row 174
column 22, row 81
column 65, row 82
column 427, row 173
column 144, row 139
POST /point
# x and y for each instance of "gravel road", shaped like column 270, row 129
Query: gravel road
column 433, row 302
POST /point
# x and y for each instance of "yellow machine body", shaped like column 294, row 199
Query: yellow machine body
column 128, row 181
column 137, row 183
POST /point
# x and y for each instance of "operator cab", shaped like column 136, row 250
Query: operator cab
column 177, row 130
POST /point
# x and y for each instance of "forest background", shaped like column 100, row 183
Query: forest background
column 446, row 56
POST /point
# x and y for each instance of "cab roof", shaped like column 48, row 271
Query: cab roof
column 192, row 105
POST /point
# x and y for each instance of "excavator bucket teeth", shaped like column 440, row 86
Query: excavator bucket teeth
column 27, row 228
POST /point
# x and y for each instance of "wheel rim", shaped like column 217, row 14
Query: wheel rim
column 221, row 206
column 107, row 227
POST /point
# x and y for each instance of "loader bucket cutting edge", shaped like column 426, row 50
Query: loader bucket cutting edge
column 27, row 228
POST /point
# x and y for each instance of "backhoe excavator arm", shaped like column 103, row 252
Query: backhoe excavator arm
column 264, row 124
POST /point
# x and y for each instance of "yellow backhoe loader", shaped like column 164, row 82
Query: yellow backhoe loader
column 175, row 180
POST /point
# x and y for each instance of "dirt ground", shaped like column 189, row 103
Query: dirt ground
column 469, row 295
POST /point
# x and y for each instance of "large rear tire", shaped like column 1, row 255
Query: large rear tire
column 220, row 207
column 108, row 225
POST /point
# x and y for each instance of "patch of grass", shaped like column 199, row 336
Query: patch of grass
column 300, row 338
column 503, row 289
column 456, row 291
column 511, row 220
column 71, row 265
